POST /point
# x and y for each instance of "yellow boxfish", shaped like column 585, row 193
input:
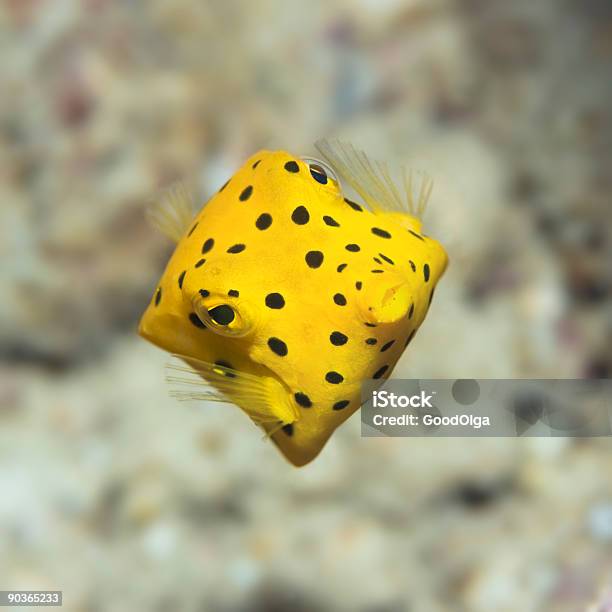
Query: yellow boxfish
column 283, row 295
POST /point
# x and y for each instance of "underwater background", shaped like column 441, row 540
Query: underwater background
column 128, row 500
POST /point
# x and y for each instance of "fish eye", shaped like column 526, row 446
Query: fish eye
column 222, row 314
column 222, row 318
column 320, row 171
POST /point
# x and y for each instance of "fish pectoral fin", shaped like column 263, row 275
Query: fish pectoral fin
column 373, row 182
column 172, row 212
column 263, row 398
column 387, row 301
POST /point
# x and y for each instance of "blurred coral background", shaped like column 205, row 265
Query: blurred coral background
column 127, row 500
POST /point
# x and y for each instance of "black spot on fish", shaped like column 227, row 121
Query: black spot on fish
column 193, row 317
column 417, row 235
column 200, row 263
column 380, row 372
column 192, row 229
column 353, row 248
column 431, row 297
column 264, row 221
column 275, row 300
column 181, row 278
column 353, row 205
column 204, row 293
column 341, row 404
column 341, row 267
column 339, row 299
column 410, row 337
column 277, row 346
column 303, row 400
column 387, row 259
column 334, row 378
column 222, row 314
column 300, row 216
column 158, row 295
column 426, row 272
column 224, row 185
column 371, row 341
column 246, row 193
column 381, row 232
column 412, row 265
column 377, row 271
column 233, row 293
column 236, row 248
column 288, row 429
column 411, row 311
column 208, row 244
column 225, row 364
column 256, row 164
column 292, row 166
column 378, row 261
column 330, row 221
column 387, row 346
column 338, row 338
column 370, row 324
column 358, row 285
column 314, row 259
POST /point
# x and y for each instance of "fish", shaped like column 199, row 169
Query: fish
column 283, row 294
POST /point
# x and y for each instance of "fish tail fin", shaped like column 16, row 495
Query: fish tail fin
column 262, row 398
column 372, row 179
column 172, row 212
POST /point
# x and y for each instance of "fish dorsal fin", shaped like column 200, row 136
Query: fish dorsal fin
column 172, row 212
column 372, row 181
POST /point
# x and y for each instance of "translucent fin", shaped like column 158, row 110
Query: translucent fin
column 372, row 180
column 263, row 398
column 173, row 212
